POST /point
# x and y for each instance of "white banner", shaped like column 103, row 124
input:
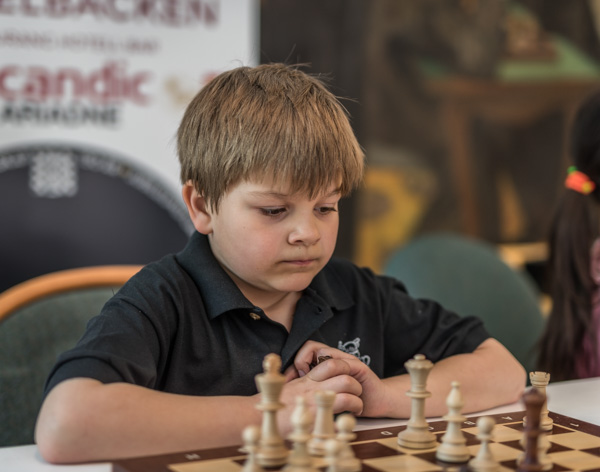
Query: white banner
column 115, row 75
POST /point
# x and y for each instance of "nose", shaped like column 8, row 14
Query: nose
column 305, row 231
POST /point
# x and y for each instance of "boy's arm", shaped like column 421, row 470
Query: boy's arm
column 84, row 420
column 489, row 376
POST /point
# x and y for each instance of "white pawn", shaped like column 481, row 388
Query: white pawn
column 484, row 460
column 346, row 460
column 250, row 437
column 324, row 426
column 453, row 447
column 332, row 448
column 302, row 420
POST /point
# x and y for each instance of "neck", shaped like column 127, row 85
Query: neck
column 280, row 309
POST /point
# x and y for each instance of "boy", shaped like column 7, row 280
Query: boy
column 266, row 154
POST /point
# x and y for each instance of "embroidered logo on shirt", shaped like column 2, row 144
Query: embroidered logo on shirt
column 351, row 347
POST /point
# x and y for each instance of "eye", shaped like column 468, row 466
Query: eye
column 273, row 212
column 325, row 210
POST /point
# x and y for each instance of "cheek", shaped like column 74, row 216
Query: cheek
column 332, row 233
column 253, row 247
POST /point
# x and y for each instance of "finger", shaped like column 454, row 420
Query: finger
column 329, row 369
column 309, row 354
column 358, row 369
column 306, row 355
column 339, row 384
column 291, row 373
column 345, row 402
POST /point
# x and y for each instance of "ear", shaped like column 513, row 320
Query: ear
column 198, row 209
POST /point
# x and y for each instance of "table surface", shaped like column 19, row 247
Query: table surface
column 576, row 398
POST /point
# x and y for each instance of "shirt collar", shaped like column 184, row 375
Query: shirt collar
column 330, row 287
column 219, row 293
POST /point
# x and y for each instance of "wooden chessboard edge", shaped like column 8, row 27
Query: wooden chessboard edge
column 148, row 463
column 139, row 463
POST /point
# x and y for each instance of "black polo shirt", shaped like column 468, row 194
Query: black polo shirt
column 181, row 325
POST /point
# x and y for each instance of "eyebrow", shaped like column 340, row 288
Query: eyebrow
column 272, row 193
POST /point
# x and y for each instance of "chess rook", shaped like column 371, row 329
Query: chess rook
column 271, row 451
column 540, row 381
column 417, row 435
column 453, row 447
column 324, row 426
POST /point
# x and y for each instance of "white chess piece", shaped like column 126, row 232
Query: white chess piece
column 324, row 426
column 453, row 447
column 302, row 420
column 271, row 450
column 540, row 381
column 417, row 435
column 251, row 437
column 332, row 448
column 346, row 459
column 484, row 460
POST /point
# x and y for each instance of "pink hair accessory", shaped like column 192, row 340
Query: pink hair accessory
column 579, row 181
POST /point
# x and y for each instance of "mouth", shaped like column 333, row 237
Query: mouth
column 301, row 262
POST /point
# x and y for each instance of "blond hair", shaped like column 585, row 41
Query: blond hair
column 271, row 121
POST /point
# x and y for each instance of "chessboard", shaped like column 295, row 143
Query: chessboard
column 574, row 446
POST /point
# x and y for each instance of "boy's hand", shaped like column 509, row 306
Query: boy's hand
column 376, row 396
column 309, row 355
column 335, row 375
column 373, row 394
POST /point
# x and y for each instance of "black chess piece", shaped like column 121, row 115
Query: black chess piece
column 533, row 400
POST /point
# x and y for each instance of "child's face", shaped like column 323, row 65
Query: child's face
column 270, row 241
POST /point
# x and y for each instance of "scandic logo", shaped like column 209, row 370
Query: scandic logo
column 167, row 12
column 109, row 84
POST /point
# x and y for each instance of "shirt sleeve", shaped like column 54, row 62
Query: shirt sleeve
column 419, row 326
column 119, row 345
column 124, row 342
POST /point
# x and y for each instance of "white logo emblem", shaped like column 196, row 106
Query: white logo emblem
column 351, row 347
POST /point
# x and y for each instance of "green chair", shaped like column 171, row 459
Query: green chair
column 469, row 277
column 39, row 319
